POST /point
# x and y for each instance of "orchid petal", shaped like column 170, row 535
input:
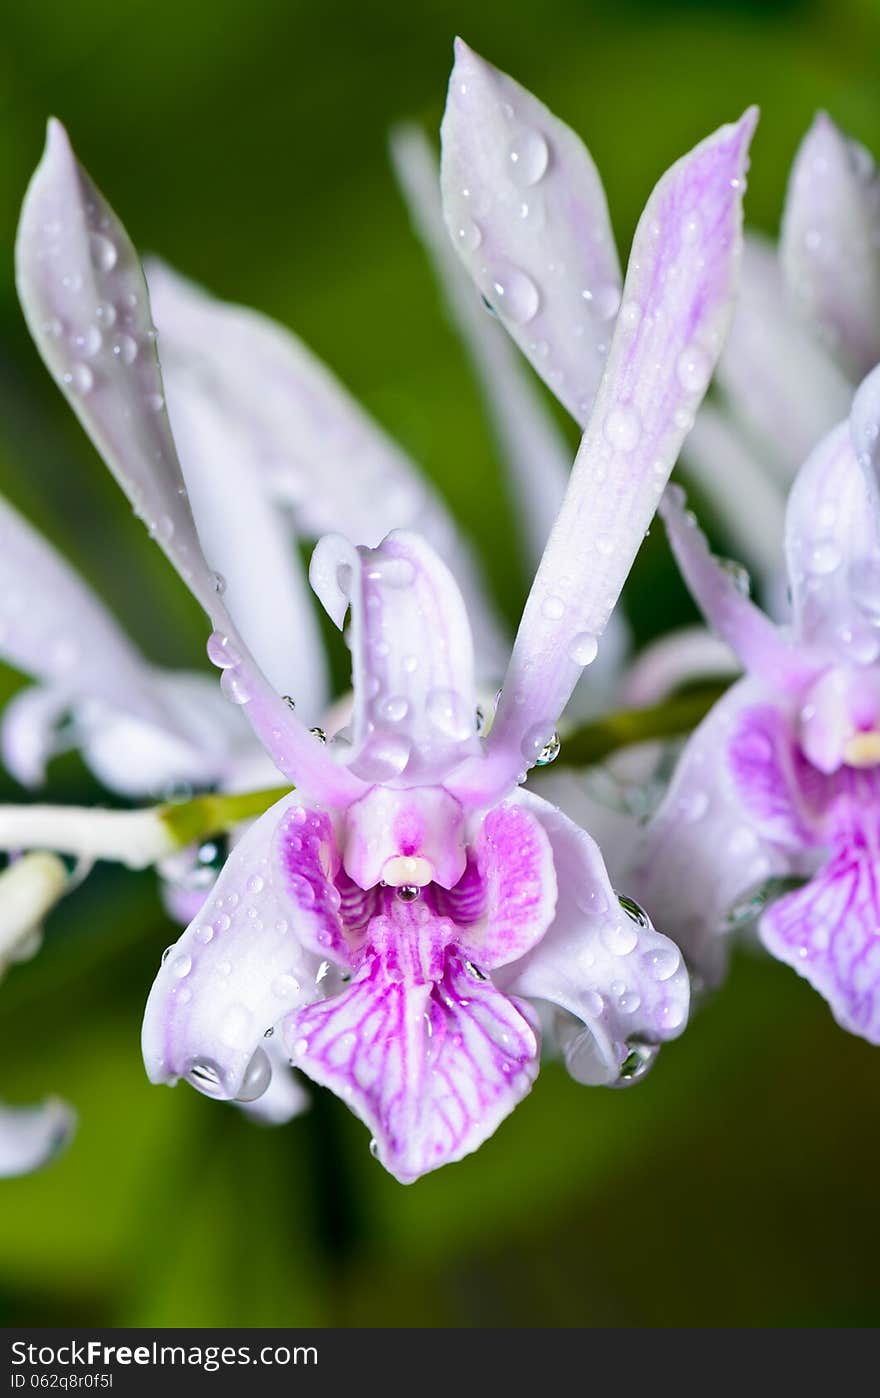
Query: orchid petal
column 781, row 384
column 745, row 498
column 526, row 211
column 412, row 656
column 85, row 301
column 33, row 1136
column 533, row 448
column 864, row 424
column 29, row 731
column 830, row 242
column 833, row 552
column 318, row 452
column 701, row 858
column 253, row 953
column 827, row 931
column 250, row 543
column 431, row 1067
column 53, row 627
column 684, row 656
column 763, row 648
column 681, row 280
column 516, row 871
column 605, row 966
column 29, row 888
column 197, row 748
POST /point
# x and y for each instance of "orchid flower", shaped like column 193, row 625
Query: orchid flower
column 782, row 780
column 29, row 887
column 398, row 918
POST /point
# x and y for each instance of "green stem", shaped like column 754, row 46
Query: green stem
column 206, row 815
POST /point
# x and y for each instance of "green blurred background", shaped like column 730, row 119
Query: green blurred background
column 246, row 143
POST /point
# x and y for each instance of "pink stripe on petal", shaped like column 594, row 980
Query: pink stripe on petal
column 515, row 863
column 431, row 1068
column 677, row 302
column 828, row 931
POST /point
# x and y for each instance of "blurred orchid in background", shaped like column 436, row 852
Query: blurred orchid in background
column 401, row 918
column 781, row 780
column 806, row 328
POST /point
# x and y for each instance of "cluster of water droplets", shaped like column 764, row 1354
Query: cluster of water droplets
column 97, row 333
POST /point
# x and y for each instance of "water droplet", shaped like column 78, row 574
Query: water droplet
column 256, row 883
column 469, row 234
column 527, row 157
column 516, row 295
column 219, row 584
column 824, row 557
column 257, row 1077
column 583, row 649
column 448, row 712
column 693, row 369
column 623, row 428
column 103, row 252
column 319, row 734
column 737, row 574
column 633, row 911
column 204, row 933
column 125, row 349
column 89, row 341
column 105, row 314
column 206, row 1075
column 408, row 892
column 662, row 962
column 80, row 378
column 181, row 966
column 235, row 686
column 221, row 652
column 553, row 608
column 638, row 1062
column 394, row 709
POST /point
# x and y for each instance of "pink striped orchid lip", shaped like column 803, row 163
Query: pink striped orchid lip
column 399, row 920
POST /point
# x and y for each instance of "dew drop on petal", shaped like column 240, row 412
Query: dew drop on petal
column 623, row 428
column 257, row 1077
column 516, row 295
column 584, row 648
column 527, row 157
column 103, row 252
